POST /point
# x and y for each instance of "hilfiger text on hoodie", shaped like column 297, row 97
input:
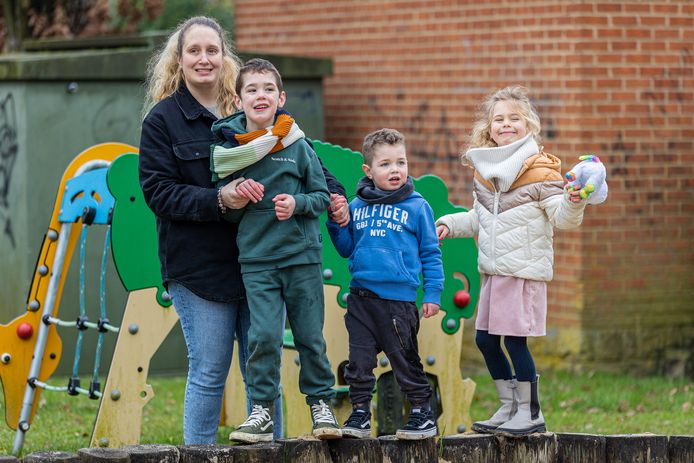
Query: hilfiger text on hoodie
column 380, row 218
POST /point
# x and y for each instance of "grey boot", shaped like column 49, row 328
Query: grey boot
column 529, row 417
column 506, row 389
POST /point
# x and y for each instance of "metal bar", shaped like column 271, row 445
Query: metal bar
column 40, row 347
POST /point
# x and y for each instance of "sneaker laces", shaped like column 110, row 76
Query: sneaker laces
column 257, row 417
column 322, row 413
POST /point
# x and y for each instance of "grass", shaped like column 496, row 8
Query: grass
column 595, row 403
column 602, row 403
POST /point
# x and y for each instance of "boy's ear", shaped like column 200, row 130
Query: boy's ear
column 366, row 169
column 282, row 99
column 237, row 102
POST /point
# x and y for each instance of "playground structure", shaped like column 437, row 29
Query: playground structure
column 101, row 187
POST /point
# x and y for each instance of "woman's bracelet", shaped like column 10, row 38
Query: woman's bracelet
column 220, row 204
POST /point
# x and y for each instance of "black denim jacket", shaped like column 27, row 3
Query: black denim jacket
column 197, row 247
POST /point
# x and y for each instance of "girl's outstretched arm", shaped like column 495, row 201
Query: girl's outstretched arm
column 561, row 212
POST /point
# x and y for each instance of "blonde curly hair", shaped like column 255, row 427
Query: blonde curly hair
column 481, row 130
column 164, row 73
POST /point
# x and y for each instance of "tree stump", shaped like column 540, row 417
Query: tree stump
column 51, row 457
column 408, row 451
column 580, row 448
column 103, row 455
column 355, row 450
column 636, row 448
column 470, row 448
column 305, row 451
column 681, row 449
column 267, row 452
column 152, row 453
column 539, row 448
column 206, row 453
column 8, row 459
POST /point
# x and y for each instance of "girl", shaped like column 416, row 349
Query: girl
column 518, row 197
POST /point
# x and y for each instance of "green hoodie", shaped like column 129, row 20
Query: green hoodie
column 265, row 242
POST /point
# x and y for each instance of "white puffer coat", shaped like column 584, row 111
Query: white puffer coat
column 515, row 227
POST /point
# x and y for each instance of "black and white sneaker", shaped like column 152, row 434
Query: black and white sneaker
column 358, row 424
column 420, row 425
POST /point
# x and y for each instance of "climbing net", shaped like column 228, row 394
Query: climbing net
column 103, row 324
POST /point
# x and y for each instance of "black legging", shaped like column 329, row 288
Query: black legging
column 497, row 363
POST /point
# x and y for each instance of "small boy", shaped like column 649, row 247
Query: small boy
column 390, row 240
column 279, row 246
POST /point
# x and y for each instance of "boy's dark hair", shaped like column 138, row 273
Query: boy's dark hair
column 259, row 66
column 380, row 137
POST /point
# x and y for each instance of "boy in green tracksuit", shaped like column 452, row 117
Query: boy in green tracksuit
column 279, row 246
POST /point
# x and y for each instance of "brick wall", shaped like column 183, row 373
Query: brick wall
column 614, row 78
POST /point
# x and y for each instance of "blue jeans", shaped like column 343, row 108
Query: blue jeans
column 209, row 328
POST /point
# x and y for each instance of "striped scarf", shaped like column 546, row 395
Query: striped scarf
column 245, row 149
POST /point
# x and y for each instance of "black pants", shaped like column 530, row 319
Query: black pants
column 380, row 325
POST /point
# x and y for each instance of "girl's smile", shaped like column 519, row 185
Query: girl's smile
column 508, row 125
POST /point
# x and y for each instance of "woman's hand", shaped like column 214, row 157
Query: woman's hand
column 284, row 206
column 339, row 209
column 230, row 198
column 442, row 231
column 429, row 309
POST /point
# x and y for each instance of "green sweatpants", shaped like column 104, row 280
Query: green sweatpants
column 300, row 289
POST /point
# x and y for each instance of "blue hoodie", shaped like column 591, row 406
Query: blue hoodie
column 390, row 245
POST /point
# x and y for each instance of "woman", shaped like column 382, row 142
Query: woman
column 190, row 84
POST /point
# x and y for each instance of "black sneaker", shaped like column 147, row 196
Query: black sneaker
column 420, row 425
column 358, row 424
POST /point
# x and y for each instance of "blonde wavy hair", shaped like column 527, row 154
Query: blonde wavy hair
column 481, row 130
column 164, row 73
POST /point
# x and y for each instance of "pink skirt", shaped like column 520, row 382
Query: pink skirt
column 511, row 306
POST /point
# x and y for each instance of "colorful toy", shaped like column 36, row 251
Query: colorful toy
column 588, row 176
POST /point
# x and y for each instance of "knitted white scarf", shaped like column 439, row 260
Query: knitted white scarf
column 502, row 163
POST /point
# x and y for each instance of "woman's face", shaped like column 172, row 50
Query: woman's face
column 508, row 125
column 201, row 57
